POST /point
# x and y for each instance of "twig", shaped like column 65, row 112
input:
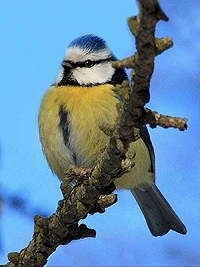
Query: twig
column 154, row 119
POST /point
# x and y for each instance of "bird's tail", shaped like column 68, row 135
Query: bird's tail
column 159, row 215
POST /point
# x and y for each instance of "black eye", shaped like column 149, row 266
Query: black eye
column 88, row 63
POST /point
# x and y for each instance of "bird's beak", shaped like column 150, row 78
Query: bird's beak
column 67, row 64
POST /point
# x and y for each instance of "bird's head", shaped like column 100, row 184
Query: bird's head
column 88, row 61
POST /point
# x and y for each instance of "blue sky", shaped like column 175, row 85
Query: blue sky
column 34, row 36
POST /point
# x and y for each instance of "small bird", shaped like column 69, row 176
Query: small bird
column 71, row 117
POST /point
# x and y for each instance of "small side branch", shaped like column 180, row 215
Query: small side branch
column 161, row 44
column 154, row 119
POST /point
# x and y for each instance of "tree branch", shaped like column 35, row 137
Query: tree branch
column 154, row 119
column 87, row 191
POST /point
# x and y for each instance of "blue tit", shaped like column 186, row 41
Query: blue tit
column 71, row 117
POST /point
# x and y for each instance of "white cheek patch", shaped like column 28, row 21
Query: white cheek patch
column 98, row 74
column 60, row 75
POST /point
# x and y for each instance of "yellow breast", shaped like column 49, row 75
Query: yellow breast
column 89, row 109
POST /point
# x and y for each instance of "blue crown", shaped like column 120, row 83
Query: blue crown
column 89, row 42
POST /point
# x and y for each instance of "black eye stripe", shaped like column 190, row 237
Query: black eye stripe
column 88, row 63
